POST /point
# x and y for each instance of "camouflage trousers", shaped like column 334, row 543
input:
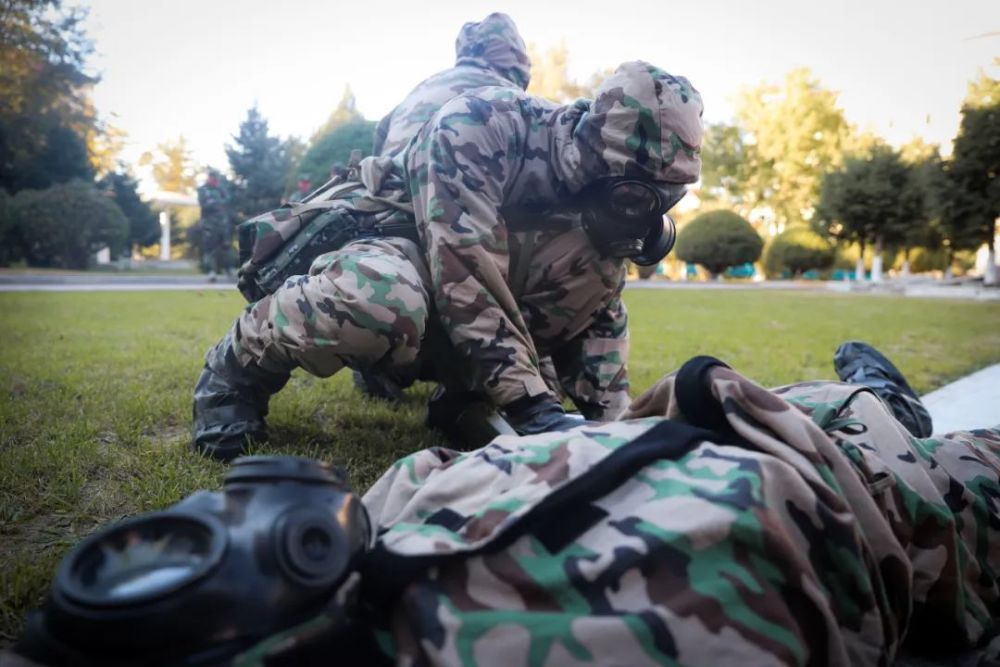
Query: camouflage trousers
column 364, row 305
column 802, row 526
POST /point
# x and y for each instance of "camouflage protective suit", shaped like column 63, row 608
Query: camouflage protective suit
column 800, row 526
column 488, row 53
column 367, row 303
column 216, row 227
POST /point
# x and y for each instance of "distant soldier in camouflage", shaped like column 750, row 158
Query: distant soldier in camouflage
column 216, row 224
column 799, row 526
column 302, row 187
column 470, row 174
column 490, row 52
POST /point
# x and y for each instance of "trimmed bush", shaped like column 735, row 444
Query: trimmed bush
column 798, row 250
column 718, row 240
column 64, row 225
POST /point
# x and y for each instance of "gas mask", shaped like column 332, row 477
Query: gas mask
column 205, row 580
column 627, row 218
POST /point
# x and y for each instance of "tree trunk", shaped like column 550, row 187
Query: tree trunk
column 990, row 274
column 877, row 261
column 905, row 271
column 949, row 258
column 859, row 268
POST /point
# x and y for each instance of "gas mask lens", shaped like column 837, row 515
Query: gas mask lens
column 142, row 560
column 633, row 200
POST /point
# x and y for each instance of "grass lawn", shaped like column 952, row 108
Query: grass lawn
column 96, row 394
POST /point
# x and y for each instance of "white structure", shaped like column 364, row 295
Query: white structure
column 164, row 236
column 164, row 198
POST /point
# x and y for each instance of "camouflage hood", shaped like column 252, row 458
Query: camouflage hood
column 643, row 123
column 495, row 44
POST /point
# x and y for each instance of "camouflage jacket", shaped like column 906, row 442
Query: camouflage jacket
column 802, row 526
column 214, row 203
column 496, row 148
column 488, row 53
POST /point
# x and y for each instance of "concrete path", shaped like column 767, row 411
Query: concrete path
column 972, row 402
column 105, row 283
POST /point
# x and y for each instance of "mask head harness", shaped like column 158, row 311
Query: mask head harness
column 627, row 218
column 213, row 575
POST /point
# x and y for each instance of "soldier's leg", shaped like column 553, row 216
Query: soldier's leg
column 363, row 305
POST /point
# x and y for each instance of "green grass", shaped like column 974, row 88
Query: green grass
column 95, row 388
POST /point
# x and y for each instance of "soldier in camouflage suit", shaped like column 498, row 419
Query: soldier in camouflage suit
column 488, row 53
column 302, row 188
column 216, row 224
column 799, row 526
column 502, row 307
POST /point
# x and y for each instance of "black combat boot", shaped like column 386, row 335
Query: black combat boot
column 230, row 402
column 377, row 384
column 860, row 363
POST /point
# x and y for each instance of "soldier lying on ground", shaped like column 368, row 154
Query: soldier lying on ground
column 503, row 295
column 718, row 523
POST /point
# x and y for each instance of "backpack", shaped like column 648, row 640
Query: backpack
column 282, row 243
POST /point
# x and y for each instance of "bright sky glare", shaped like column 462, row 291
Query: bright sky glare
column 194, row 67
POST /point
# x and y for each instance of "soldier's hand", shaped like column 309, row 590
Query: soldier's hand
column 539, row 414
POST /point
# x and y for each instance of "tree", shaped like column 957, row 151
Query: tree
column 798, row 250
column 870, row 201
column 971, row 212
column 143, row 224
column 786, row 136
column 336, row 147
column 173, row 166
column 550, row 75
column 261, row 165
column 45, row 113
column 10, row 246
column 345, row 112
column 65, row 224
column 718, row 240
column 725, row 164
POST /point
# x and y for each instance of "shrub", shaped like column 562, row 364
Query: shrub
column 798, row 250
column 65, row 224
column 718, row 240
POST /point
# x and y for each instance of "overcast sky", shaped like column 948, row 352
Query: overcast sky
column 194, row 67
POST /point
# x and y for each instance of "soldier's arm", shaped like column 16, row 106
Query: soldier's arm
column 458, row 176
column 593, row 366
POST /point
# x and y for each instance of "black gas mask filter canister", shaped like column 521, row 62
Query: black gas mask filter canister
column 627, row 218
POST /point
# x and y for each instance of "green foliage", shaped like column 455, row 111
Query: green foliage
column 64, row 225
column 726, row 170
column 44, row 111
column 872, row 200
column 798, row 250
column 970, row 212
column 143, row 223
column 335, row 147
column 788, row 136
column 173, row 166
column 718, row 240
column 345, row 112
column 261, row 165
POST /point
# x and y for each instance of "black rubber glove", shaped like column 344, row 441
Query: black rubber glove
column 539, row 414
